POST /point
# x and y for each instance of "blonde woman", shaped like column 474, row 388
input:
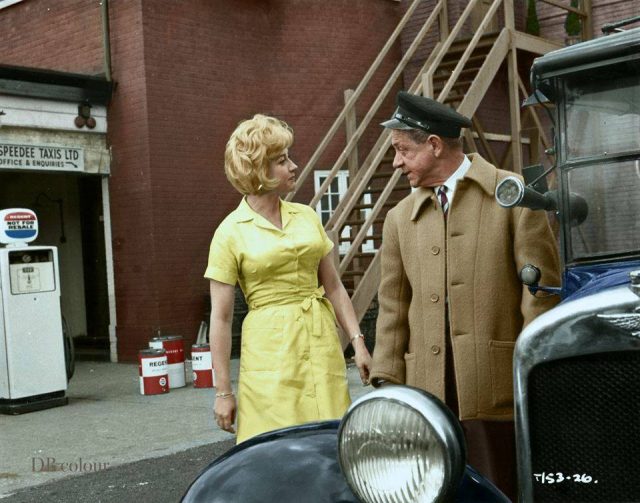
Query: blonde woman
column 291, row 366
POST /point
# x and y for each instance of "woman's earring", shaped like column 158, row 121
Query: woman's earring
column 260, row 187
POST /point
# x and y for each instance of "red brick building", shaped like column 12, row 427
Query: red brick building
column 185, row 74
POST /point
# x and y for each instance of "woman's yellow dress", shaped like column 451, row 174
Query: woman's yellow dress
column 291, row 366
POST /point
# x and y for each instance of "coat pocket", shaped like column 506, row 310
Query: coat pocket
column 410, row 369
column 501, row 354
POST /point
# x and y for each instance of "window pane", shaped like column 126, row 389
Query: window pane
column 603, row 112
column 612, row 193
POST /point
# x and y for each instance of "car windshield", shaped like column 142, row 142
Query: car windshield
column 603, row 111
column 612, row 225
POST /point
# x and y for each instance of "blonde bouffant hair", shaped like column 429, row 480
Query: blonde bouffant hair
column 253, row 144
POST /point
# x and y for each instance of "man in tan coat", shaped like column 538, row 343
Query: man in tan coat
column 451, row 302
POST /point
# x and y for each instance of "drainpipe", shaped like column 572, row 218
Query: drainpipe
column 106, row 35
column 106, row 201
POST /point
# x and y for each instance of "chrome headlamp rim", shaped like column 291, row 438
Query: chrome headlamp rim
column 519, row 186
column 442, row 421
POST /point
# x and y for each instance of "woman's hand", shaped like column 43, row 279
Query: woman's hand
column 362, row 359
column 224, row 412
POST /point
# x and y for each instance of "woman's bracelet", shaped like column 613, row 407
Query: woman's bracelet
column 356, row 336
column 224, row 395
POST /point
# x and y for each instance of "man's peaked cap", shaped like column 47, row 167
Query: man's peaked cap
column 418, row 112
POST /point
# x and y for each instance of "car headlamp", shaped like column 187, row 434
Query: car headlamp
column 510, row 192
column 401, row 444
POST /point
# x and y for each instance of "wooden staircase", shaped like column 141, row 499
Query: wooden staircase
column 459, row 72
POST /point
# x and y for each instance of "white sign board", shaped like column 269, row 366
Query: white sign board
column 18, row 225
column 41, row 157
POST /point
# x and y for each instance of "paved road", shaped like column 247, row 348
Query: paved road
column 158, row 480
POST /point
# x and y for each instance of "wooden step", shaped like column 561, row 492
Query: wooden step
column 453, row 99
column 389, row 204
column 453, row 62
column 468, row 72
column 384, row 174
column 395, row 189
column 361, row 221
column 465, row 84
column 460, row 45
column 351, row 274
column 375, row 237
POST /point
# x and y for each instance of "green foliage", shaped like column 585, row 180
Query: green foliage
column 533, row 25
column 573, row 23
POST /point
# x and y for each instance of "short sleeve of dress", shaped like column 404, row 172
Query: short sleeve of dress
column 222, row 265
column 327, row 244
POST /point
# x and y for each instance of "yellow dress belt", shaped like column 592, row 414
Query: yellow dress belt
column 312, row 302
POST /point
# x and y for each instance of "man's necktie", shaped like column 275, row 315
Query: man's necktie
column 444, row 201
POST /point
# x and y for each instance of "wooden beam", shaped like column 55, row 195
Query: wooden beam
column 555, row 3
column 533, row 44
column 485, row 76
column 483, row 139
column 467, row 52
column 509, row 18
column 444, row 22
column 334, row 236
column 328, row 137
column 374, row 108
column 587, row 22
column 367, row 289
column 350, row 127
column 468, row 136
column 377, row 208
column 514, row 110
column 506, row 159
column 452, row 36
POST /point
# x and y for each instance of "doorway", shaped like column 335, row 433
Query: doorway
column 69, row 210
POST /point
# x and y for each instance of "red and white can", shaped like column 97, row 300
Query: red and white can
column 174, row 346
column 153, row 371
column 203, row 374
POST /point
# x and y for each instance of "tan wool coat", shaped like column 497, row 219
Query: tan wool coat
column 470, row 267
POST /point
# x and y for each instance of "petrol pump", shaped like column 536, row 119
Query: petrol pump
column 32, row 357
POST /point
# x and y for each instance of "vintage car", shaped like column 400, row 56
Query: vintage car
column 576, row 368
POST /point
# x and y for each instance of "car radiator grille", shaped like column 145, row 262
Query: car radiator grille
column 584, row 420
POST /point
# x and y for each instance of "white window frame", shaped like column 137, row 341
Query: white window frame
column 324, row 206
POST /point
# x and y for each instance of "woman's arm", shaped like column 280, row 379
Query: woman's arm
column 222, row 297
column 339, row 298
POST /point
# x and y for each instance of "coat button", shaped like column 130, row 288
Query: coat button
column 435, row 349
column 434, row 297
column 435, row 250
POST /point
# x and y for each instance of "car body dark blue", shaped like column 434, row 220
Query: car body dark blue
column 298, row 464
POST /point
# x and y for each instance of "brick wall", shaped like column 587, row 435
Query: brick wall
column 186, row 74
column 207, row 69
column 64, row 35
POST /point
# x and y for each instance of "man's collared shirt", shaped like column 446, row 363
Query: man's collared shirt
column 453, row 179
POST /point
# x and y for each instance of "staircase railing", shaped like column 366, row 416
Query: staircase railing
column 339, row 217
column 350, row 104
column 387, row 181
